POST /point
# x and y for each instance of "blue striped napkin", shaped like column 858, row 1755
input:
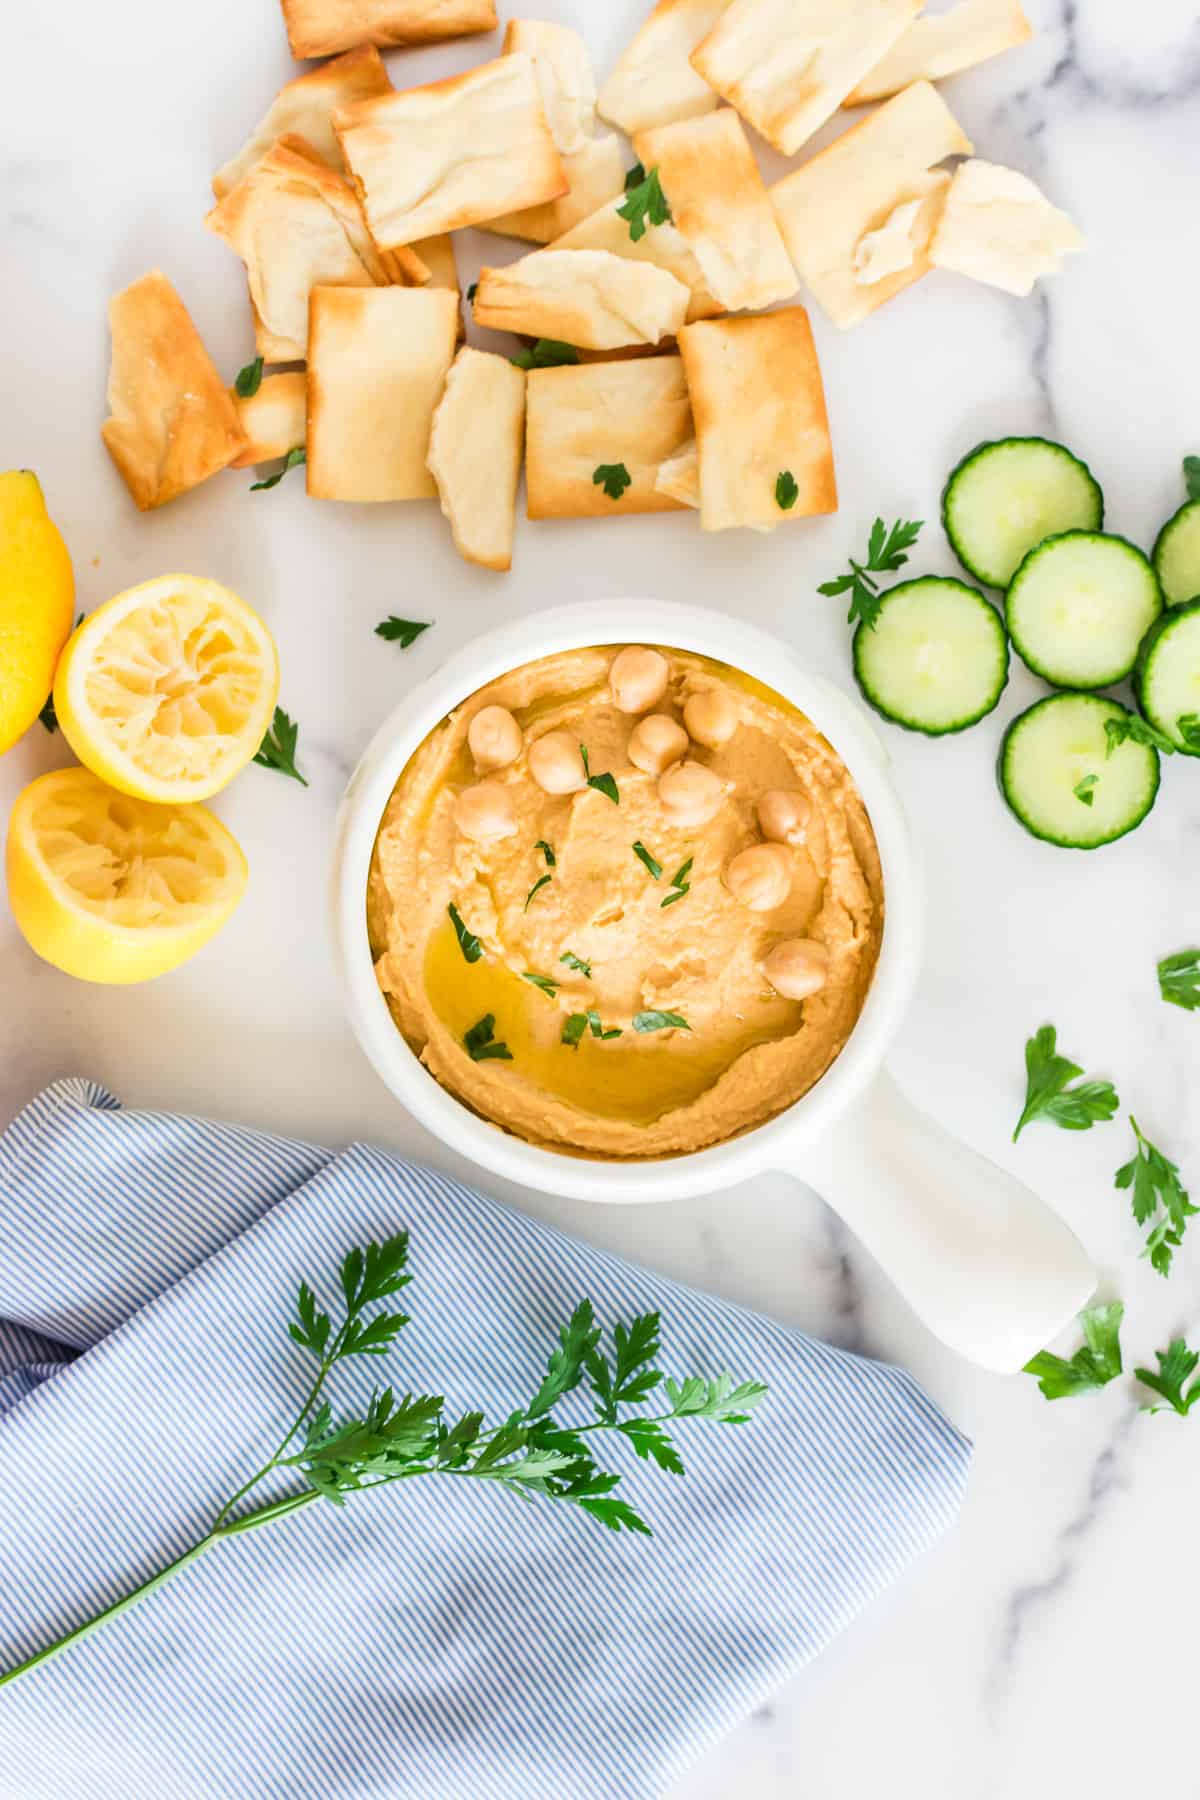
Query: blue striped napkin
column 438, row 1641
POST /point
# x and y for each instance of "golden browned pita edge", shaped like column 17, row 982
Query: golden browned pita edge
column 719, row 205
column 654, row 82
column 475, row 447
column 758, row 402
column 325, row 27
column 588, row 298
column 304, row 108
column 377, row 362
column 594, row 174
column 940, row 44
column 662, row 245
column 172, row 422
column 296, row 224
column 633, row 411
column 454, row 153
column 854, row 189
column 753, row 52
column 274, row 419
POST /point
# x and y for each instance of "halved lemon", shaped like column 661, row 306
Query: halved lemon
column 168, row 690
column 37, row 602
column 112, row 889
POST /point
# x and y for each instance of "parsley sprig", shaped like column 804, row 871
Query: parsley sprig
column 1048, row 1096
column 644, row 203
column 404, row 632
column 1159, row 1199
column 404, row 1437
column 887, row 551
column 278, row 748
column 1179, row 979
column 1175, row 1365
column 1094, row 1364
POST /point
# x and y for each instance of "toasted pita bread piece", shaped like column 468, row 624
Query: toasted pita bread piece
column 377, row 362
column 564, row 74
column 654, row 82
column 835, row 209
column 583, row 417
column 941, row 44
column 296, row 224
column 588, row 298
column 304, row 108
column 679, row 476
column 172, row 421
column 720, row 206
column 787, row 65
column 274, row 419
column 998, row 227
column 758, row 402
column 475, row 454
column 323, row 27
column 662, row 245
column 595, row 174
column 458, row 152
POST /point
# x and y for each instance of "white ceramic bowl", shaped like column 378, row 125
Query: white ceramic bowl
column 987, row 1265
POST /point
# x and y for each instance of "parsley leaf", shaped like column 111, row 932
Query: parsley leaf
column 644, row 203
column 1094, row 1364
column 1153, row 1183
column 719, row 1399
column 1174, row 1368
column 481, row 1043
column 1047, row 1095
column 603, row 784
column 680, row 884
column 1083, row 789
column 786, row 491
column 887, row 551
column 634, row 177
column 602, row 1031
column 294, row 458
column 613, row 477
column 1179, row 979
column 547, row 985
column 1188, row 727
column 278, row 748
column 545, row 353
column 468, row 943
column 1138, row 731
column 249, row 379
column 660, row 1021
column 577, row 963
column 547, row 851
column 1191, row 476
column 651, row 862
column 573, row 1030
column 541, row 882
column 564, row 1371
column 401, row 631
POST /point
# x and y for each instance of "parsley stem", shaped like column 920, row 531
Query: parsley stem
column 275, row 1460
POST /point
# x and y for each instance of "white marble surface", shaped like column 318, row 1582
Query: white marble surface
column 1043, row 1648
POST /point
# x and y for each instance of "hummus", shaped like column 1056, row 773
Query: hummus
column 603, row 946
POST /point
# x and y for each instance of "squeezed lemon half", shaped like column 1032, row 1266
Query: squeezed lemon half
column 37, row 599
column 111, row 889
column 167, row 690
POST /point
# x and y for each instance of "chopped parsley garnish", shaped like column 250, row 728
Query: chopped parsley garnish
column 401, row 631
column 547, row 851
column 660, row 1021
column 1179, row 979
column 1188, row 727
column 571, row 961
column 1158, row 1198
column 644, row 203
column 481, row 1045
column 545, row 353
column 1094, row 1364
column 573, row 1029
column 537, row 887
column 547, row 985
column 1083, row 789
column 468, row 943
column 604, row 1032
column 786, row 491
column 603, row 784
column 294, row 458
column 1138, row 731
column 471, row 293
column 249, row 379
column 278, row 748
column 1191, row 476
column 614, row 478
column 651, row 862
column 886, row 552
column 680, row 885
column 1047, row 1095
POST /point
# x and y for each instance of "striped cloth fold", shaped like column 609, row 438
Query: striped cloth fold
column 438, row 1641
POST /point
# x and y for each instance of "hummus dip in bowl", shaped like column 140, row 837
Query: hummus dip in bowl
column 666, row 955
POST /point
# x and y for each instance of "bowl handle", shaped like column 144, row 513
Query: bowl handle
column 979, row 1257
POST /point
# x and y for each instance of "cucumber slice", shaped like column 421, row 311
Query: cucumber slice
column 1079, row 607
column 1167, row 681
column 936, row 659
column 1056, row 755
column 1177, row 555
column 1005, row 498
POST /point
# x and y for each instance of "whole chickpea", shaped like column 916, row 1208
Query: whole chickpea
column 655, row 743
column 691, row 795
column 797, row 968
column 711, row 717
column 638, row 678
column 784, row 815
column 761, row 877
column 486, row 812
column 494, row 738
column 556, row 763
